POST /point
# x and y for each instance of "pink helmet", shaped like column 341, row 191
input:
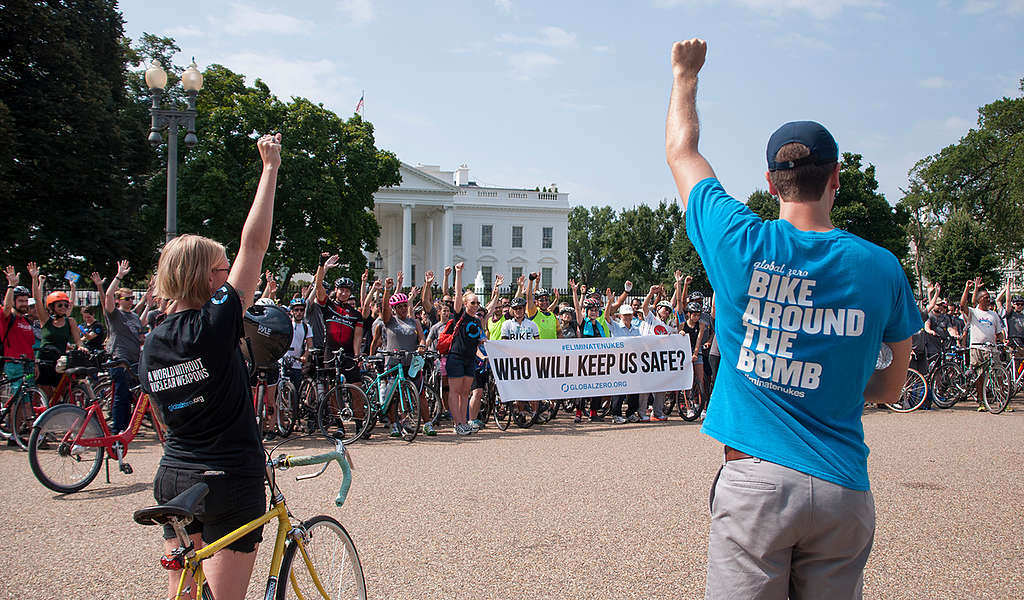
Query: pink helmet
column 398, row 298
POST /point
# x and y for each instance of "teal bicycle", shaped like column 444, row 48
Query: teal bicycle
column 346, row 412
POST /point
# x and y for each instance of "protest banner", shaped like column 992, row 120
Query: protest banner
column 583, row 367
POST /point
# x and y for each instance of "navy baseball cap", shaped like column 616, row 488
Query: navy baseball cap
column 813, row 135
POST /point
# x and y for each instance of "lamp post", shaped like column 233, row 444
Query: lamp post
column 156, row 81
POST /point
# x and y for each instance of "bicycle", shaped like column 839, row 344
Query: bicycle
column 312, row 558
column 286, row 401
column 953, row 384
column 20, row 409
column 66, row 439
column 912, row 395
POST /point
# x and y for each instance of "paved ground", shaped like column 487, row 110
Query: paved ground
column 563, row 511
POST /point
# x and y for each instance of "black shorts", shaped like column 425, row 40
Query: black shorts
column 47, row 375
column 460, row 366
column 231, row 503
column 479, row 381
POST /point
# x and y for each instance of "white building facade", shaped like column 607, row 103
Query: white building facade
column 436, row 218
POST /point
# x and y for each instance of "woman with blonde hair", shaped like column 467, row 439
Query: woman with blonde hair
column 193, row 370
column 460, row 363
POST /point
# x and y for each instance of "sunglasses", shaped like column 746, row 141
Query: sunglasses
column 61, row 304
column 477, row 303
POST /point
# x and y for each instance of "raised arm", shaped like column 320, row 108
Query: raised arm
column 608, row 304
column 37, row 292
column 389, row 290
column 622, row 297
column 98, row 282
column 245, row 271
column 427, row 295
column 375, row 290
column 647, row 301
column 677, row 290
column 554, row 297
column 458, row 287
column 682, row 126
column 576, row 301
column 73, row 294
column 363, row 286
column 963, row 301
column 499, row 281
column 531, row 306
column 520, row 287
column 321, row 273
column 444, row 284
column 686, row 291
column 122, row 269
column 1001, row 305
column 12, row 280
column 933, row 298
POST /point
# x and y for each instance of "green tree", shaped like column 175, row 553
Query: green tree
column 641, row 242
column 860, row 209
column 962, row 251
column 982, row 175
column 589, row 244
column 72, row 145
column 684, row 257
column 764, row 205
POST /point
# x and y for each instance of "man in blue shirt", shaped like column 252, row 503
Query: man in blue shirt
column 799, row 334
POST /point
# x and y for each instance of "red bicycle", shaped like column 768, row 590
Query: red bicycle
column 66, row 447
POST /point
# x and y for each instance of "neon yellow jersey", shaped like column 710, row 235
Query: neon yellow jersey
column 547, row 323
column 494, row 328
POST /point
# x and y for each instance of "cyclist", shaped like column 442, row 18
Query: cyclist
column 401, row 332
column 461, row 358
column 302, row 341
column 193, row 370
column 985, row 328
column 590, row 324
column 519, row 327
column 343, row 324
column 59, row 330
column 16, row 332
column 537, row 304
column 658, row 322
column 125, row 340
column 627, row 325
column 694, row 327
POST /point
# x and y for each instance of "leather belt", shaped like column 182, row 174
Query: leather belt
column 734, row 454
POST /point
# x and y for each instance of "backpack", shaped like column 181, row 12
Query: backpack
column 444, row 340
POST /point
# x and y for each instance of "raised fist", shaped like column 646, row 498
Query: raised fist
column 270, row 149
column 688, row 57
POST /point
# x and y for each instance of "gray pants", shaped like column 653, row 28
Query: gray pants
column 778, row 533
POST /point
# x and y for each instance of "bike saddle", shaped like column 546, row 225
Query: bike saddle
column 180, row 507
column 82, row 371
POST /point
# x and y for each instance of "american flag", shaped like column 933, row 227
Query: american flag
column 359, row 106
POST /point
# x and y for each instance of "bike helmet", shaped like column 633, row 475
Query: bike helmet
column 693, row 307
column 591, row 303
column 398, row 298
column 567, row 309
column 57, row 297
column 20, row 290
column 541, row 293
column 517, row 303
column 1016, row 298
column 268, row 330
column 664, row 304
column 297, row 302
column 696, row 297
column 344, row 282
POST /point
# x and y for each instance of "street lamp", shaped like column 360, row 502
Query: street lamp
column 156, row 81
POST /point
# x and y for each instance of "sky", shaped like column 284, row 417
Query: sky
column 531, row 93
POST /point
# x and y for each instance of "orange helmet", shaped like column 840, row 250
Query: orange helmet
column 56, row 297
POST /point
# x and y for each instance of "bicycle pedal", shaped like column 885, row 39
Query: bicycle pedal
column 126, row 468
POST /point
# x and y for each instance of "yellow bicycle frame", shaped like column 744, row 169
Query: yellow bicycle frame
column 193, row 562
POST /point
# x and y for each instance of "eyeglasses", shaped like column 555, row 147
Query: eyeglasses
column 300, row 309
column 225, row 269
column 61, row 304
column 128, row 298
column 475, row 303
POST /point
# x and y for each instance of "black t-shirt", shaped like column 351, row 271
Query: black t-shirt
column 96, row 343
column 467, row 336
column 1014, row 324
column 193, row 370
column 940, row 324
column 340, row 321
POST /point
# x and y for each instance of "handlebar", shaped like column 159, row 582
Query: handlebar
column 339, row 454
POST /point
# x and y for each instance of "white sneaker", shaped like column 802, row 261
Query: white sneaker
column 618, row 420
column 462, row 429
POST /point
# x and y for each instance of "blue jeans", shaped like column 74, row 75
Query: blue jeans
column 122, row 399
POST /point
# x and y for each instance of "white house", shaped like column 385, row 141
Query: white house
column 436, row 218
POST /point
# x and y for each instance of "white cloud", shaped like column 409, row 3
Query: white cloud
column 553, row 37
column 504, row 5
column 604, row 49
column 317, row 80
column 935, row 83
column 977, row 7
column 360, row 12
column 244, row 19
column 183, row 31
column 957, row 125
column 820, row 9
column 529, row 65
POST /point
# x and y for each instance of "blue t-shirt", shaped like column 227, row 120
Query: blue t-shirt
column 800, row 319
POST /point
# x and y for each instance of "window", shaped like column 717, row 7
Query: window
column 517, row 272
column 549, row 234
column 457, row 234
column 545, row 277
column 412, row 276
column 413, row 240
column 517, row 236
column 487, row 236
column 488, row 274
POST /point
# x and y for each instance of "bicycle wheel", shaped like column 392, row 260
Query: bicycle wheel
column 80, row 394
column 407, row 410
column 326, row 554
column 502, row 414
column 948, row 385
column 336, row 413
column 432, row 400
column 606, row 406
column 523, row 417
column 61, row 465
column 913, row 394
column 996, row 392
column 308, row 405
column 287, row 407
column 670, row 402
column 31, row 403
column 690, row 404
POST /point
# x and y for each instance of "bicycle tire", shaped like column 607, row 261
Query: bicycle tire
column 50, row 458
column 996, row 391
column 520, row 419
column 80, row 394
column 670, row 402
column 308, row 404
column 606, row 406
column 335, row 559
column 30, row 400
column 287, row 407
column 502, row 415
column 407, row 410
column 431, row 399
column 690, row 403
column 336, row 417
column 948, row 385
column 912, row 395
column 261, row 408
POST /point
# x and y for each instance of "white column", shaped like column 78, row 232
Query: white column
column 407, row 242
column 446, row 235
column 428, row 245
